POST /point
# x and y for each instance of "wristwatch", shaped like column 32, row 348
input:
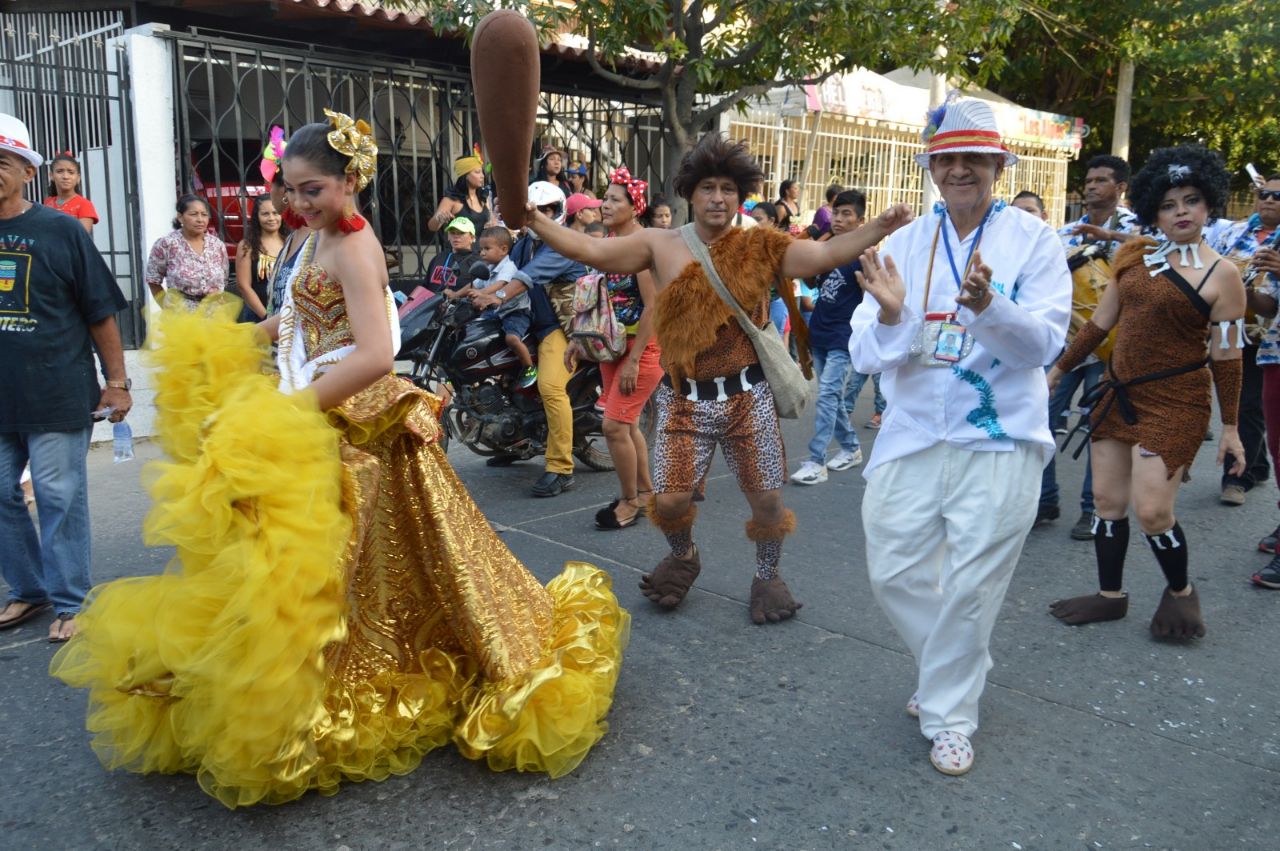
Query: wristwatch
column 501, row 295
column 125, row 385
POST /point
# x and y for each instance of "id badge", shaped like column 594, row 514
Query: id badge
column 951, row 340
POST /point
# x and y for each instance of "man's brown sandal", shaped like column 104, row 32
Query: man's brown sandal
column 32, row 610
column 671, row 579
column 771, row 600
column 1091, row 608
column 1178, row 618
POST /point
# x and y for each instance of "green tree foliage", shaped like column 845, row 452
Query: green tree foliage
column 709, row 56
column 1205, row 71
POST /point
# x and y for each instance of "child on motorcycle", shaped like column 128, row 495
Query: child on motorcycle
column 513, row 312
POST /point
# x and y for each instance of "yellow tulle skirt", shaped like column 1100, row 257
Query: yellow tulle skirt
column 337, row 607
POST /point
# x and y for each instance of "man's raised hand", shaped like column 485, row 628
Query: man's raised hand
column 884, row 283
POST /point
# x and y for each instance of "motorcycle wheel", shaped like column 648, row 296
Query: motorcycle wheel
column 594, row 453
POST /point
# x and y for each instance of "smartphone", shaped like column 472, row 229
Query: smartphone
column 103, row 413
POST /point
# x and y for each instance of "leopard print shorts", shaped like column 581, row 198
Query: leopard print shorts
column 745, row 426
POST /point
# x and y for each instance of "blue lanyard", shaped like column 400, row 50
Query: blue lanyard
column 946, row 243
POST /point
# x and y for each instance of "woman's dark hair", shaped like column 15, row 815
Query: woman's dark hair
column 61, row 158
column 541, row 172
column 311, row 143
column 253, row 227
column 459, row 191
column 1185, row 165
column 783, row 187
column 833, row 190
column 185, row 202
column 646, row 219
column 769, row 210
column 277, row 179
column 716, row 156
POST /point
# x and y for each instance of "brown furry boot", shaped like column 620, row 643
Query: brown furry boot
column 771, row 600
column 1178, row 618
column 671, row 579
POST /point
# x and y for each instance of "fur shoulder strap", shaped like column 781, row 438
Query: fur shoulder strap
column 1130, row 254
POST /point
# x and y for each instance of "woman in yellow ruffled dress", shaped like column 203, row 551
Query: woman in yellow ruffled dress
column 338, row 605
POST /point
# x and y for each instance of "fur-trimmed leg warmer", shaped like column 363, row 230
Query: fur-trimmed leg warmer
column 678, row 529
column 771, row 600
column 768, row 538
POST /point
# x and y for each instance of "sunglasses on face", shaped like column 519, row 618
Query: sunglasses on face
column 1269, row 194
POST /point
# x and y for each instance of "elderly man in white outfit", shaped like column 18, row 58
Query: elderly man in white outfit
column 969, row 305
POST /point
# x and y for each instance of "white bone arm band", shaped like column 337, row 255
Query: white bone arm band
column 1224, row 332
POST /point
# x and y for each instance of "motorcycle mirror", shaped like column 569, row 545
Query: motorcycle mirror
column 477, row 271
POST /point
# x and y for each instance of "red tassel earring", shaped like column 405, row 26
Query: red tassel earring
column 351, row 222
column 292, row 219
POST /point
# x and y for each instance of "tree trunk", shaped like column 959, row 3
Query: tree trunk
column 1124, row 105
column 679, row 134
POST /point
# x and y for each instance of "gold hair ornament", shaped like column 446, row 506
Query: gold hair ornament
column 354, row 139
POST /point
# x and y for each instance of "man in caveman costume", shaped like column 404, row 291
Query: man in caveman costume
column 715, row 392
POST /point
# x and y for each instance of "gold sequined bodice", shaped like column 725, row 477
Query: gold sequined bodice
column 322, row 312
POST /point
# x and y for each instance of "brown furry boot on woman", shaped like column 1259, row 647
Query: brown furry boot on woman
column 1178, row 618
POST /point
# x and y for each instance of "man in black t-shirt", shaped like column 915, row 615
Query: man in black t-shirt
column 58, row 302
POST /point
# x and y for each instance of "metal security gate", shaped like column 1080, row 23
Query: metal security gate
column 65, row 78
column 230, row 92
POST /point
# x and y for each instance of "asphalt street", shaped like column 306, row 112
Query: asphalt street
column 727, row 735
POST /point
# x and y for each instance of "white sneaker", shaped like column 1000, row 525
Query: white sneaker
column 810, row 474
column 845, row 459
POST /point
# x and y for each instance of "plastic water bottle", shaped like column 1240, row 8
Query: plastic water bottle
column 122, row 442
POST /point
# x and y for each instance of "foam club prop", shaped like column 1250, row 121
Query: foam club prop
column 505, row 76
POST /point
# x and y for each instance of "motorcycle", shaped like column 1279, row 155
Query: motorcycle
column 461, row 355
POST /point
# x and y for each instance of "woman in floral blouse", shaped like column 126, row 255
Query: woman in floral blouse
column 190, row 259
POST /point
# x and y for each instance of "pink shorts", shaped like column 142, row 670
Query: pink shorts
column 626, row 409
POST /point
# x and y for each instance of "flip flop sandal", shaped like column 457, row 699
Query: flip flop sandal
column 33, row 609
column 61, row 620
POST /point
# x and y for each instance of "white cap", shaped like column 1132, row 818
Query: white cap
column 15, row 139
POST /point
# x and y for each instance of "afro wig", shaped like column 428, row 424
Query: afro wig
column 717, row 156
column 1185, row 165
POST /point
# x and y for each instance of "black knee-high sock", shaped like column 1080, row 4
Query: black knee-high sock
column 1110, row 543
column 1171, row 551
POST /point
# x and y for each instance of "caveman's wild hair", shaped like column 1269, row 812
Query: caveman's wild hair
column 716, row 156
column 1185, row 165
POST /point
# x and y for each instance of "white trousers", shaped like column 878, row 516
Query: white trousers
column 944, row 530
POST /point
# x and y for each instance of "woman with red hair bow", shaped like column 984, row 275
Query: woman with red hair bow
column 629, row 381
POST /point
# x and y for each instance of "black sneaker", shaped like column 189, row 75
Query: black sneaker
column 1269, row 543
column 1083, row 530
column 1269, row 576
column 552, row 484
column 1046, row 514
